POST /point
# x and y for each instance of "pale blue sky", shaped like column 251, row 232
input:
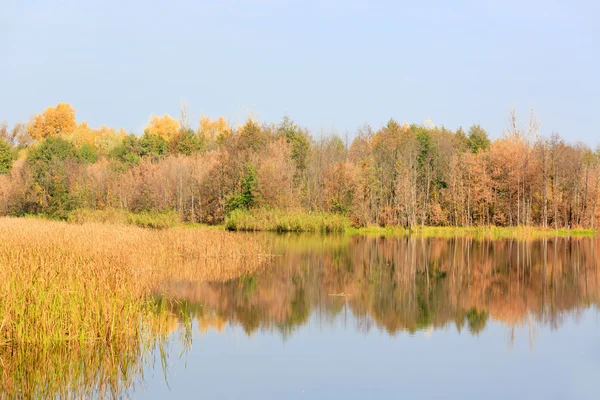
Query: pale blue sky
column 327, row 64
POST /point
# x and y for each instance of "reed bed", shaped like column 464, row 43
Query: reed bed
column 154, row 220
column 286, row 221
column 89, row 286
column 274, row 220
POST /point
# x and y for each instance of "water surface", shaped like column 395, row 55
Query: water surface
column 363, row 317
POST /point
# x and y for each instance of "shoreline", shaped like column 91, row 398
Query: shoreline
column 277, row 221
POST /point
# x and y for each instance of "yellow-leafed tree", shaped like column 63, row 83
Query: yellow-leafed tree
column 82, row 134
column 107, row 139
column 165, row 126
column 54, row 121
column 216, row 129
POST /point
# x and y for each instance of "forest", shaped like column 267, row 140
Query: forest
column 397, row 175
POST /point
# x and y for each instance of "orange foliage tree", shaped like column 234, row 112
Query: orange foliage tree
column 165, row 126
column 53, row 121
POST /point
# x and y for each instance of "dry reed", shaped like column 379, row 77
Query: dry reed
column 83, row 287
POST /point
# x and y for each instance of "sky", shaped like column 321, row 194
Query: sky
column 330, row 65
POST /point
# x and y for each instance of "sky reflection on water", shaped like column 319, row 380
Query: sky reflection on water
column 332, row 359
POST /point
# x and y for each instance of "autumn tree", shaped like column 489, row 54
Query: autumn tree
column 108, row 139
column 339, row 187
column 276, row 174
column 54, row 121
column 326, row 153
column 251, row 136
column 81, row 134
column 165, row 126
column 214, row 131
column 5, row 134
column 365, row 193
column 21, row 135
column 542, row 154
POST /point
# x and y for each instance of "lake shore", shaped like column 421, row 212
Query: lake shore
column 264, row 220
column 298, row 221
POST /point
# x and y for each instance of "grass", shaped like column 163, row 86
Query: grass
column 491, row 232
column 286, row 221
column 76, row 288
column 274, row 220
column 153, row 220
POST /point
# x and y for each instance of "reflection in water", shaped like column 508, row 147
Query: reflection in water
column 392, row 284
column 405, row 284
column 86, row 369
column 70, row 370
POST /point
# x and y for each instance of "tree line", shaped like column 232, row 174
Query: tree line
column 400, row 174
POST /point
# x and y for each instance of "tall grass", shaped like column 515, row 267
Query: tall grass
column 154, row 220
column 286, row 221
column 76, row 288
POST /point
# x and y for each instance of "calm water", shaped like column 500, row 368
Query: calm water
column 358, row 317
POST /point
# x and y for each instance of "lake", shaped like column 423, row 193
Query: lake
column 365, row 317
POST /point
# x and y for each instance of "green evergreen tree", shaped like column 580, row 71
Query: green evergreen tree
column 49, row 163
column 246, row 198
column 127, row 153
column 478, row 139
column 299, row 141
column 6, row 157
column 154, row 146
column 87, row 153
column 188, row 143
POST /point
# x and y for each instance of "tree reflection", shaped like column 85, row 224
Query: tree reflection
column 406, row 284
